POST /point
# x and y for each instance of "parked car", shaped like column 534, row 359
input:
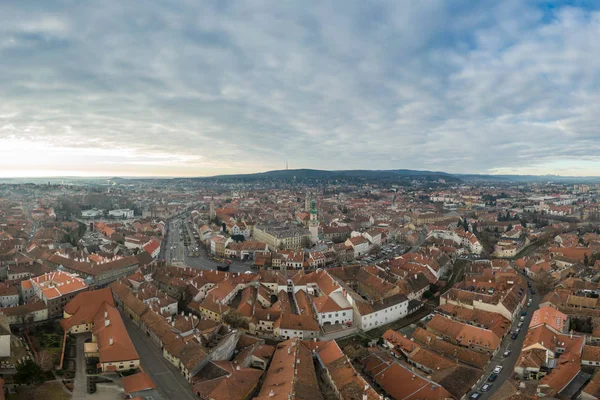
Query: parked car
column 522, row 319
column 532, row 291
column 497, row 369
column 506, row 353
column 524, row 313
column 475, row 395
column 492, row 377
column 486, row 387
column 514, row 335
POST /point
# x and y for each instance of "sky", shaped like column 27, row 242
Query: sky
column 200, row 88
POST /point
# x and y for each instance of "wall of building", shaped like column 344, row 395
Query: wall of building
column 5, row 346
column 226, row 347
column 121, row 365
column 385, row 316
column 337, row 317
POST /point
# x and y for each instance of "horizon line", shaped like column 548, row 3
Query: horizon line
column 108, row 177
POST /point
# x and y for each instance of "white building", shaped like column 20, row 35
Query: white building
column 4, row 337
column 93, row 213
column 237, row 229
column 373, row 236
column 122, row 213
column 333, row 309
column 9, row 296
column 359, row 244
column 458, row 236
column 293, row 325
column 370, row 315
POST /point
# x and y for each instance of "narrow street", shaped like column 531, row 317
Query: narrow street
column 169, row 380
column 515, row 346
column 80, row 384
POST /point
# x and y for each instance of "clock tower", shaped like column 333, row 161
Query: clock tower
column 313, row 223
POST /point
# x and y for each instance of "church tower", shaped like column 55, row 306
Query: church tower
column 313, row 223
column 212, row 211
column 307, row 201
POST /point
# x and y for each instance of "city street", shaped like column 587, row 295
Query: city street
column 205, row 262
column 169, row 380
column 174, row 250
column 508, row 363
column 80, row 384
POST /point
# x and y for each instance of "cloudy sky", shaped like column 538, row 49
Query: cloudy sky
column 195, row 88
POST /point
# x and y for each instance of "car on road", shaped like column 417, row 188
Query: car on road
column 506, row 353
column 486, row 387
column 532, row 291
column 514, row 335
column 475, row 395
column 524, row 313
column 520, row 324
column 522, row 319
column 492, row 377
column 497, row 369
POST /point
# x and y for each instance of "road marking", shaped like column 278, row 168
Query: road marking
column 162, row 373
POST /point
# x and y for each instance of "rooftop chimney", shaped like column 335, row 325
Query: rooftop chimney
column 106, row 322
column 110, row 341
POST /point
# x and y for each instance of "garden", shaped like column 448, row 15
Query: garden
column 47, row 341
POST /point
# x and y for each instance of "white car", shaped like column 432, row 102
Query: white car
column 497, row 369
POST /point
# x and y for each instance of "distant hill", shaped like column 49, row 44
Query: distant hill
column 316, row 174
column 529, row 178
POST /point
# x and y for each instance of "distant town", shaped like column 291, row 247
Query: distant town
column 301, row 285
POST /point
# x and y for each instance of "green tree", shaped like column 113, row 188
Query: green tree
column 586, row 260
column 235, row 320
column 238, row 238
column 29, row 373
column 375, row 250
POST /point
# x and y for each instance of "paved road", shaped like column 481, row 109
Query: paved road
column 515, row 346
column 80, row 386
column 169, row 380
column 175, row 249
column 205, row 262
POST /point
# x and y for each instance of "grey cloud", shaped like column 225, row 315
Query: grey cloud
column 457, row 86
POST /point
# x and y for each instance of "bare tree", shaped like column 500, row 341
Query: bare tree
column 545, row 282
column 44, row 360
